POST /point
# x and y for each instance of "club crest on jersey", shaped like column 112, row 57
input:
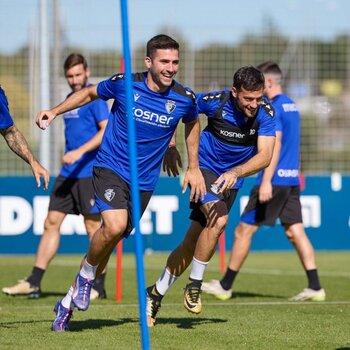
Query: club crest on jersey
column 170, row 106
column 109, row 194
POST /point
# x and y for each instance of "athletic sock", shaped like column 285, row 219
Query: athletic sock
column 198, row 268
column 313, row 280
column 67, row 300
column 88, row 270
column 99, row 283
column 165, row 281
column 228, row 279
column 36, row 276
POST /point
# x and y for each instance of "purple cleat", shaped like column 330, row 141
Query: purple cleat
column 63, row 315
column 81, row 292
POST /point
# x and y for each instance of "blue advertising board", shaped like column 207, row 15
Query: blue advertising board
column 23, row 209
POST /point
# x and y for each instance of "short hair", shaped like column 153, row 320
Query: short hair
column 270, row 67
column 73, row 60
column 249, row 78
column 160, row 41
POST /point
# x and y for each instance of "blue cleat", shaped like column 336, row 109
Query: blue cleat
column 63, row 315
column 81, row 292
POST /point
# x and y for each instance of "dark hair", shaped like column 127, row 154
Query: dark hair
column 160, row 41
column 73, row 60
column 249, row 78
column 272, row 68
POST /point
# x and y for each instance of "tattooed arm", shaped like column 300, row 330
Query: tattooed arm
column 19, row 145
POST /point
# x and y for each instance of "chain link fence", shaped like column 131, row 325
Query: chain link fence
column 316, row 76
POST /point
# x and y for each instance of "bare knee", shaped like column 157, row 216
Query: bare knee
column 244, row 231
column 53, row 223
column 113, row 231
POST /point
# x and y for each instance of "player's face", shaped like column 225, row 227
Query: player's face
column 162, row 68
column 77, row 77
column 248, row 101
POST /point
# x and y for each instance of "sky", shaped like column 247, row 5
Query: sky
column 88, row 24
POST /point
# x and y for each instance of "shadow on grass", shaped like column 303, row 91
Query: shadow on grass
column 188, row 323
column 254, row 295
column 78, row 326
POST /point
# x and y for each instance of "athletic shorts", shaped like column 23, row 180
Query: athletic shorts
column 285, row 205
column 112, row 192
column 227, row 197
column 73, row 196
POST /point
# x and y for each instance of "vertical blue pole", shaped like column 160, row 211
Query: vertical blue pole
column 135, row 196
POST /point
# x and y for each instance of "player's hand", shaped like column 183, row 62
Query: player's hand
column 72, row 156
column 38, row 172
column 265, row 192
column 195, row 180
column 172, row 161
column 226, row 181
column 44, row 119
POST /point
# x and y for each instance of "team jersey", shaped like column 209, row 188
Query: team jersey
column 288, row 123
column 219, row 156
column 5, row 118
column 81, row 125
column 156, row 116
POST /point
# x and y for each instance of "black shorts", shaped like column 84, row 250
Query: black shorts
column 285, row 205
column 227, row 197
column 112, row 192
column 73, row 196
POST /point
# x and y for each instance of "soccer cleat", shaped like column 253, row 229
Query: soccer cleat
column 192, row 297
column 81, row 293
column 23, row 287
column 214, row 287
column 310, row 295
column 95, row 294
column 63, row 315
column 153, row 304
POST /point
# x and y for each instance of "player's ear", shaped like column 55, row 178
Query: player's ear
column 234, row 92
column 148, row 62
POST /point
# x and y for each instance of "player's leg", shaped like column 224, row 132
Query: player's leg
column 241, row 245
column 177, row 262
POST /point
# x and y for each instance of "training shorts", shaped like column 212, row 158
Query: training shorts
column 73, row 196
column 284, row 204
column 112, row 192
column 227, row 197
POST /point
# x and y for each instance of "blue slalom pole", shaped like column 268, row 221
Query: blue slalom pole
column 135, row 195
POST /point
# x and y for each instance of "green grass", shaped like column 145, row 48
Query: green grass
column 259, row 315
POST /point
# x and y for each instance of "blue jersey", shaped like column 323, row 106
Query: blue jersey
column 5, row 117
column 156, row 117
column 288, row 123
column 81, row 125
column 219, row 156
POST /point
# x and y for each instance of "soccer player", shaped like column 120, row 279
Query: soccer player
column 73, row 191
column 159, row 104
column 238, row 141
column 18, row 143
column 276, row 195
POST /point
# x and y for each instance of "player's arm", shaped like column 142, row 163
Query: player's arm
column 72, row 156
column 79, row 98
column 172, row 158
column 260, row 161
column 265, row 190
column 19, row 145
column 193, row 176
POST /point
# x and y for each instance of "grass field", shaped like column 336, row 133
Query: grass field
column 259, row 316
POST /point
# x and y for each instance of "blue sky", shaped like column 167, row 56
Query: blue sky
column 89, row 25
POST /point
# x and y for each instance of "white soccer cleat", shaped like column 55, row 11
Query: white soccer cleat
column 214, row 287
column 310, row 295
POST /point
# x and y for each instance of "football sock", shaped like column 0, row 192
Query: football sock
column 99, row 283
column 36, row 276
column 88, row 270
column 67, row 300
column 313, row 280
column 228, row 279
column 165, row 281
column 198, row 268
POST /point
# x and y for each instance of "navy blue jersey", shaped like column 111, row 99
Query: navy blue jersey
column 81, row 125
column 288, row 123
column 217, row 155
column 5, row 118
column 156, row 117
